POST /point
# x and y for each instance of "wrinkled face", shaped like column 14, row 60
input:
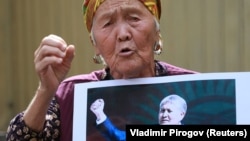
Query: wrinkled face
column 124, row 32
column 170, row 114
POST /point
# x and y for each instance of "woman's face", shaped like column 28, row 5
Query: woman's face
column 169, row 113
column 124, row 33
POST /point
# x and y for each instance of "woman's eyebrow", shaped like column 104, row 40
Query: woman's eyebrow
column 131, row 8
column 106, row 14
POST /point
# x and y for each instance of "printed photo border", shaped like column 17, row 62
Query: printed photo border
column 212, row 98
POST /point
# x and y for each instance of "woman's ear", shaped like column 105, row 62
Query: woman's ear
column 158, row 45
column 93, row 42
column 97, row 51
column 159, row 35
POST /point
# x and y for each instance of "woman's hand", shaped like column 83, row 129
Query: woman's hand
column 52, row 62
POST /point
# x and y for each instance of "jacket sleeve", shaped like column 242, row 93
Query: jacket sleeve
column 110, row 132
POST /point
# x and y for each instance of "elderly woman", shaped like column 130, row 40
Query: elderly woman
column 125, row 35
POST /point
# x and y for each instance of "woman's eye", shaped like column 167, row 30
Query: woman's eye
column 134, row 18
column 107, row 24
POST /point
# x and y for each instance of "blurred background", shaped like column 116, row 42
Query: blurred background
column 202, row 35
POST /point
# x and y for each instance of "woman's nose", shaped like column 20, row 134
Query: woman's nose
column 123, row 32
